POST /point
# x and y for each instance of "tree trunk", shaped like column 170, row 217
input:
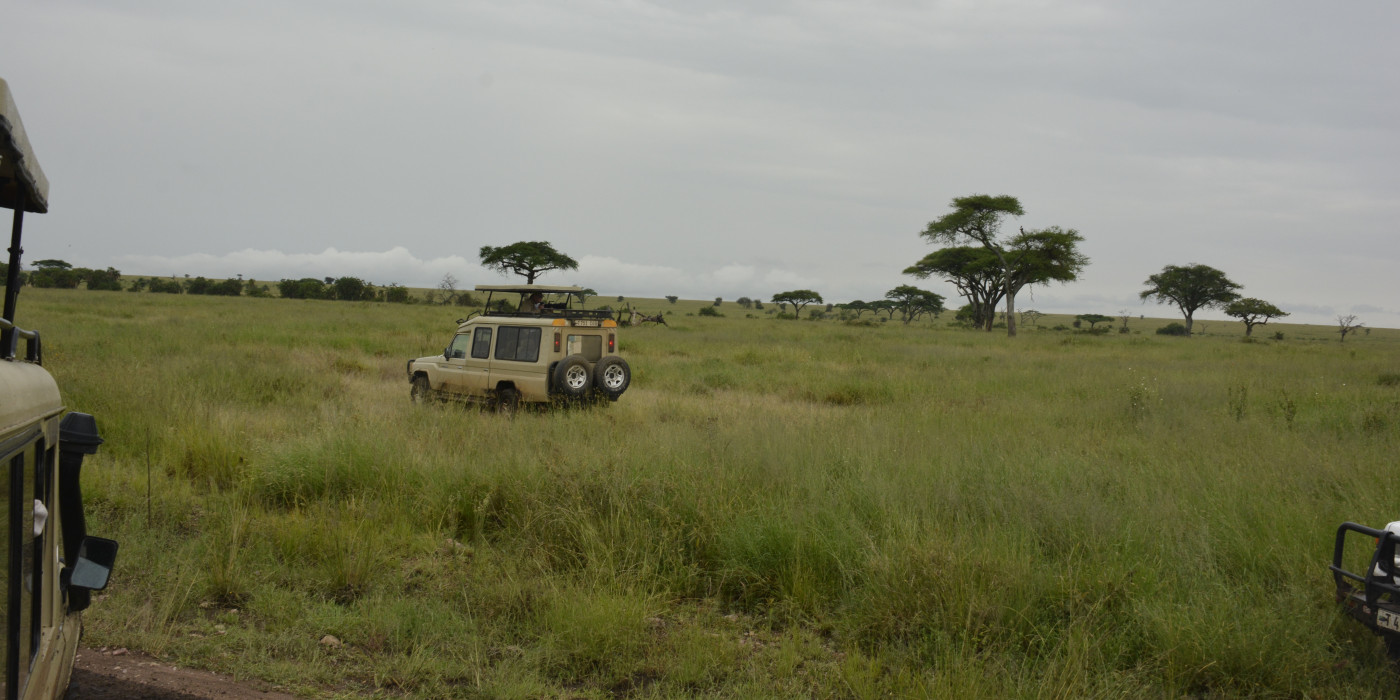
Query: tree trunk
column 1188, row 323
column 1010, row 294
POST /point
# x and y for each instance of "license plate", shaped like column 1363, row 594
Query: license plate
column 586, row 323
column 1387, row 619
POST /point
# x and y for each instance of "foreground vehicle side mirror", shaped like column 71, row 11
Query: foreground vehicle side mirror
column 96, row 557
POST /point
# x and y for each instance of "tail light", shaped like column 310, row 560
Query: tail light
column 556, row 341
column 612, row 343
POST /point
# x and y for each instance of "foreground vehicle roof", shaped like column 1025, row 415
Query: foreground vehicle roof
column 22, row 182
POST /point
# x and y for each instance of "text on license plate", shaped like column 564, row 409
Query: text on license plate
column 1388, row 620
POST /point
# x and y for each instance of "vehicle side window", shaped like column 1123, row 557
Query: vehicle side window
column 481, row 344
column 590, row 346
column 458, row 349
column 518, row 344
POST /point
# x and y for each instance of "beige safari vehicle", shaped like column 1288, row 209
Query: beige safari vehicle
column 49, row 566
column 529, row 344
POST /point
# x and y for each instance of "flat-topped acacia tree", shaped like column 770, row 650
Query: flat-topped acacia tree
column 1190, row 288
column 798, row 298
column 529, row 259
column 1253, row 312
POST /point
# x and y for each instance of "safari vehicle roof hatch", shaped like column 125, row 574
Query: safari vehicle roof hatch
column 23, row 187
column 557, row 309
column 22, row 182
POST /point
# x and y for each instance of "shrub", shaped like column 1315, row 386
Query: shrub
column 1173, row 329
column 709, row 311
column 1389, row 379
column 170, row 286
column 1278, row 335
column 396, row 294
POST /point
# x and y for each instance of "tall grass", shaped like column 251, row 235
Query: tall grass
column 775, row 508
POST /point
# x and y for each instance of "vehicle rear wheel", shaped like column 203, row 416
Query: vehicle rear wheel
column 611, row 376
column 507, row 401
column 421, row 392
column 571, row 377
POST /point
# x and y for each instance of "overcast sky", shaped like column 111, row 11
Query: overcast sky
column 724, row 149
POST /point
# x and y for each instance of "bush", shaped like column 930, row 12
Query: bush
column 1173, row 329
column 1278, row 335
column 170, row 286
column 1389, row 379
column 709, row 311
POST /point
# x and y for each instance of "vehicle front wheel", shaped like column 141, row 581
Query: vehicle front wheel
column 421, row 392
column 571, row 377
column 611, row 376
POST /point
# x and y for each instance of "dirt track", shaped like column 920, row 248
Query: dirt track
column 117, row 674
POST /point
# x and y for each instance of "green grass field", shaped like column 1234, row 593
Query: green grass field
column 775, row 508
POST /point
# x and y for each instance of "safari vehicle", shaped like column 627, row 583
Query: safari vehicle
column 48, row 564
column 528, row 344
column 1372, row 598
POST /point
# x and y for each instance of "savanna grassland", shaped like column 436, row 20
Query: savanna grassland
column 774, row 509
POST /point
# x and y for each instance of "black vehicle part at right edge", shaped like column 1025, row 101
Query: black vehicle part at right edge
column 611, row 376
column 78, row 438
column 571, row 377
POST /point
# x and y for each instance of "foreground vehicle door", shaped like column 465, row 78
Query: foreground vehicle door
column 453, row 365
column 476, row 368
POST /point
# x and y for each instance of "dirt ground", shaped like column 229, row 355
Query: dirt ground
column 112, row 674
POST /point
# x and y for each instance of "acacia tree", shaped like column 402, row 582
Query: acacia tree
column 857, row 306
column 886, row 306
column 529, row 259
column 583, row 294
column 448, row 287
column 798, row 298
column 913, row 302
column 1093, row 319
column 1036, row 257
column 1253, row 312
column 1347, row 324
column 978, row 219
column 973, row 271
column 1189, row 288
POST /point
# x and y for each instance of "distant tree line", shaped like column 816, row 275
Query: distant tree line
column 58, row 274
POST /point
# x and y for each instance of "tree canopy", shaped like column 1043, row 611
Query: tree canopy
column 975, row 272
column 1093, row 319
column 798, row 298
column 997, row 268
column 913, row 302
column 1253, row 312
column 1190, row 288
column 978, row 218
column 529, row 259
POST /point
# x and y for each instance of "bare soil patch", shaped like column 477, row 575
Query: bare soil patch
column 110, row 674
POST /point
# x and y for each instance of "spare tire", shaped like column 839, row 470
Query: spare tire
column 571, row 377
column 611, row 376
